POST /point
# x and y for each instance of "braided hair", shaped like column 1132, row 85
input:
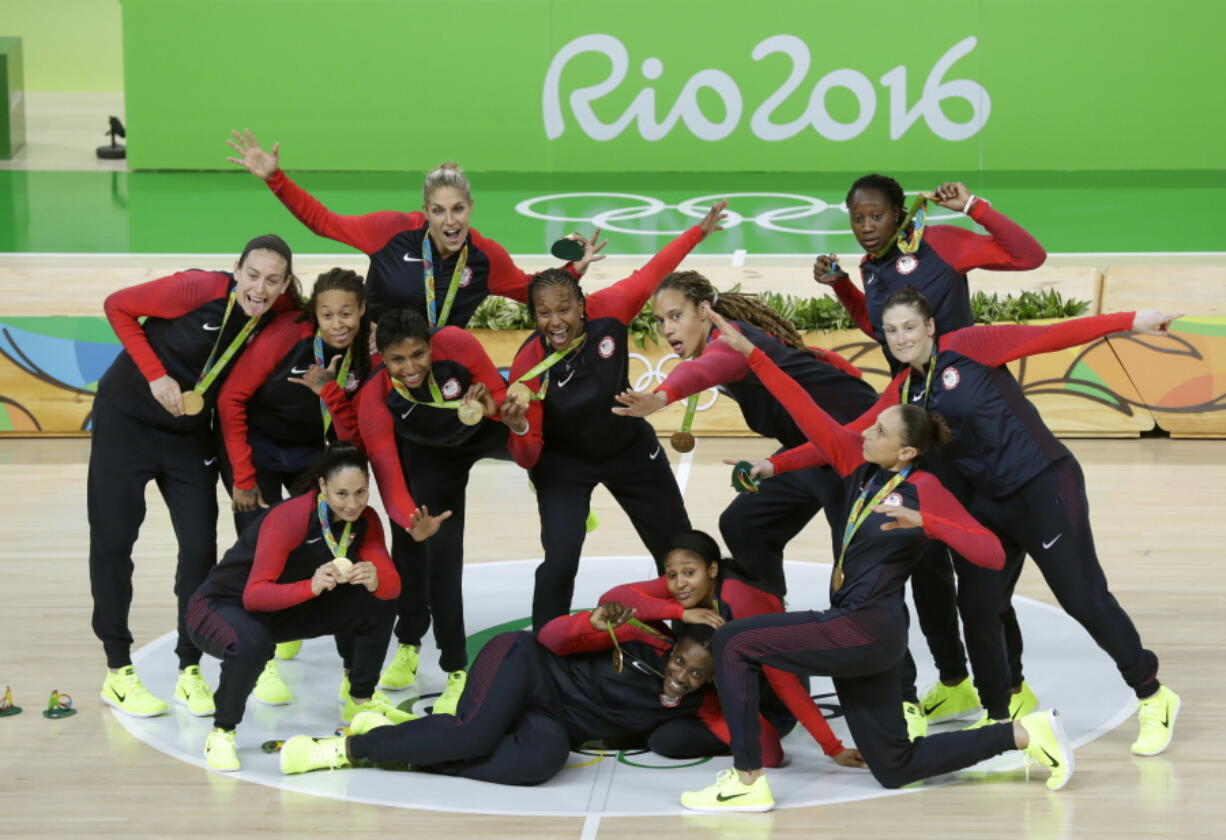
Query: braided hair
column 552, row 277
column 735, row 306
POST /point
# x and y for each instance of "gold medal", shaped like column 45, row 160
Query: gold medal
column 343, row 565
column 836, row 579
column 470, row 413
column 619, row 661
column 682, row 441
column 193, row 403
column 520, row 393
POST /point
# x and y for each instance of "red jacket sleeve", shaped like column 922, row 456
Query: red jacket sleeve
column 1006, row 246
column 374, row 550
column 853, row 301
column 994, row 345
column 282, row 531
column 649, row 598
column 947, row 521
column 526, row 448
column 574, row 633
column 250, row 372
column 712, row 717
column 841, row 446
column 367, row 233
column 626, row 298
column 505, row 278
column 344, row 414
column 379, row 437
column 166, row 297
column 717, row 365
column 461, row 346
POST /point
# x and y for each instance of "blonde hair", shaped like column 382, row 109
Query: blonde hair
column 447, row 174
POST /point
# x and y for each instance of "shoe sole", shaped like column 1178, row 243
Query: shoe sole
column 115, row 705
column 264, row 702
column 1057, row 728
column 390, row 687
column 223, row 769
column 728, row 809
column 181, row 702
column 1174, row 717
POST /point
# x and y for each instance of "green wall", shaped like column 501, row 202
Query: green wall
column 69, row 45
column 961, row 85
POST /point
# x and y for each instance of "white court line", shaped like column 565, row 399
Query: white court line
column 591, row 825
column 683, row 470
column 738, row 257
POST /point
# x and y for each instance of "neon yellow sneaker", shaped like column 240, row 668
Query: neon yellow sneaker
column 302, row 753
column 220, row 752
column 288, row 650
column 402, row 673
column 1023, row 703
column 363, row 722
column 124, row 691
column 1049, row 746
column 342, row 693
column 917, row 724
column 592, row 522
column 270, row 689
column 449, row 700
column 949, row 702
column 380, row 703
column 1157, row 715
column 192, row 691
column 729, row 793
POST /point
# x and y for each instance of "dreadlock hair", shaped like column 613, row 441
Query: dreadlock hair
column 890, row 189
column 447, row 174
column 735, row 306
column 911, row 297
column 344, row 280
column 274, row 243
column 552, row 277
column 399, row 325
column 338, row 455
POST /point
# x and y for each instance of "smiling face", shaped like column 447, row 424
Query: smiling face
column 883, row 441
column 447, row 210
column 690, row 667
column 681, row 323
column 347, row 492
column 691, row 582
column 260, row 278
column 908, row 334
column 338, row 314
column 873, row 219
column 409, row 361
column 559, row 315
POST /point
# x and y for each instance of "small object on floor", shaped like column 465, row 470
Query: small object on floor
column 114, row 151
column 272, row 746
column 59, row 706
column 7, row 708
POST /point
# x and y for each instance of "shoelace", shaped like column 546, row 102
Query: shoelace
column 1150, row 714
column 325, row 754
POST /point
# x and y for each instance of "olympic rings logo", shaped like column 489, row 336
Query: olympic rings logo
column 655, row 374
column 593, row 208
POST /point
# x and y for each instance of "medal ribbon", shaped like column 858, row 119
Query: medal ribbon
column 908, row 244
column 427, row 261
column 545, row 364
column 210, row 370
column 906, row 386
column 860, row 511
column 437, row 402
column 691, row 406
column 337, row 549
column 342, row 376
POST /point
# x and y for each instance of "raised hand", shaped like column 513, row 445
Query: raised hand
column 715, row 215
column 728, row 333
column 952, row 195
column 609, row 615
column 424, row 525
column 591, row 251
column 1153, row 322
column 252, row 156
column 825, row 271
column 317, row 377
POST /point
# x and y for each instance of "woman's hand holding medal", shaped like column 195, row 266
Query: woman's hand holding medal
column 610, row 615
column 167, row 392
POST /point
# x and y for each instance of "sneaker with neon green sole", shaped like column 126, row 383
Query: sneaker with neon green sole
column 380, row 703
column 917, row 724
column 1023, row 702
column 220, row 751
column 270, row 689
column 402, row 673
column 123, row 690
column 302, row 753
column 1156, row 714
column 288, row 650
column 950, row 702
column 192, row 691
column 1049, row 746
column 449, row 700
column 730, row 794
column 363, row 722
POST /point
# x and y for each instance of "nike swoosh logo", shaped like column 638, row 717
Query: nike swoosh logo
column 653, row 455
column 1050, row 758
column 118, row 695
column 567, row 379
column 297, row 370
column 212, row 327
column 317, row 539
column 208, row 462
column 407, row 258
column 1053, row 542
column 405, row 416
column 719, row 797
column 1167, row 720
column 930, row 709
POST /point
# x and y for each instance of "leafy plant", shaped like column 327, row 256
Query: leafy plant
column 1027, row 306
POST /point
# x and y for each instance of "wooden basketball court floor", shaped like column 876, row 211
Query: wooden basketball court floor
column 1160, row 521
